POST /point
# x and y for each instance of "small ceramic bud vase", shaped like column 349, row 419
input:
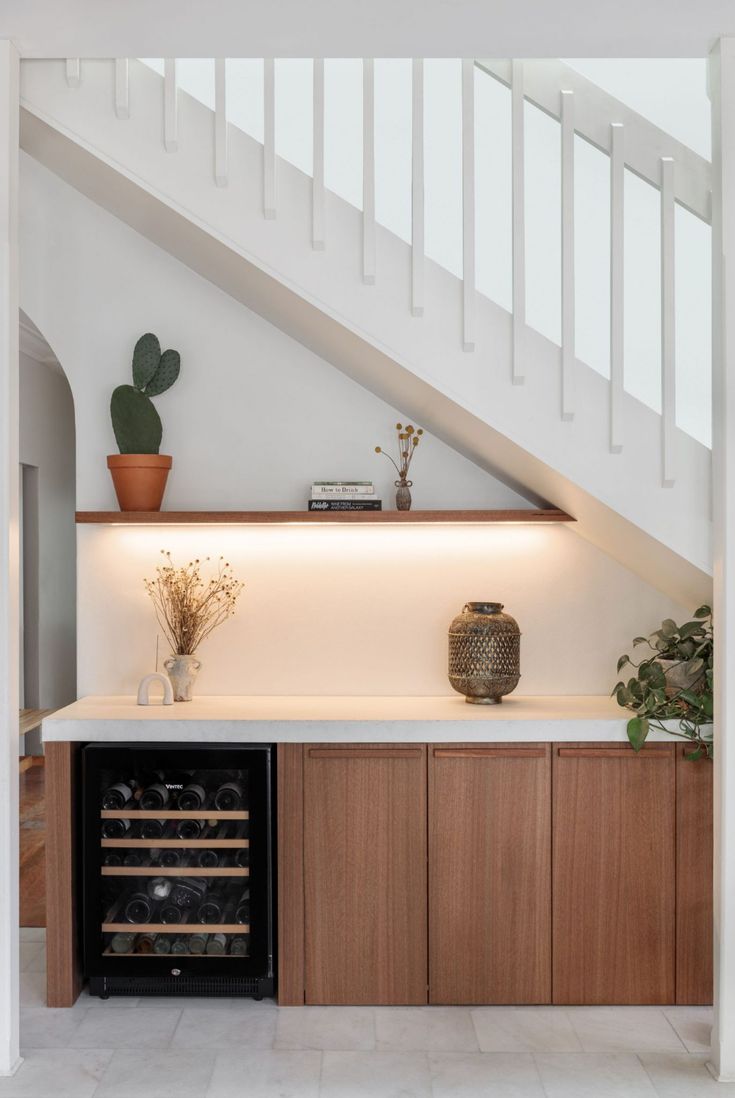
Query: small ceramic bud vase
column 403, row 494
column 182, row 670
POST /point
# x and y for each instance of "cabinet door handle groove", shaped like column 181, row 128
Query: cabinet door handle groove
column 364, row 753
column 614, row 753
column 489, row 752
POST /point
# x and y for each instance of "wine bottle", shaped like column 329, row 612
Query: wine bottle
column 138, row 908
column 189, row 829
column 145, row 943
column 242, row 856
column 132, row 857
column 122, row 943
column 113, row 858
column 197, row 943
column 217, row 944
column 242, row 909
column 115, row 829
column 180, row 945
column 162, row 944
column 239, row 947
column 169, row 857
column 229, row 796
column 214, row 909
column 118, row 796
column 152, row 829
column 171, row 913
column 159, row 888
column 193, row 796
column 208, row 859
column 154, row 797
column 188, row 892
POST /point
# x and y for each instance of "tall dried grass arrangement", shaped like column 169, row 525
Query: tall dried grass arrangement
column 188, row 607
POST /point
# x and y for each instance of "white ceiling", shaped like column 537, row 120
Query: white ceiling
column 365, row 28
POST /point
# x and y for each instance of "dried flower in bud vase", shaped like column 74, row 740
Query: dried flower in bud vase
column 408, row 440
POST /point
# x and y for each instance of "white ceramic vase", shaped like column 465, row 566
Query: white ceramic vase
column 182, row 670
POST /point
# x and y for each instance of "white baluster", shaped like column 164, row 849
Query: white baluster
column 269, row 138
column 568, row 361
column 73, row 72
column 122, row 88
column 668, row 324
column 468, row 205
column 417, row 189
column 368, row 171
column 519, row 222
column 220, row 122
column 317, row 192
column 617, row 207
column 170, row 106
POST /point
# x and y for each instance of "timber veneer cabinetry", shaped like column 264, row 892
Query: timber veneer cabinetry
column 494, row 873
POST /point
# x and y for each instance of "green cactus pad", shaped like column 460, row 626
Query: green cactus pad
column 165, row 375
column 146, row 359
column 135, row 421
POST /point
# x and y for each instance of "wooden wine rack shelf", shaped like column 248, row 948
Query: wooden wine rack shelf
column 171, row 871
column 175, row 844
column 147, row 956
column 152, row 814
column 175, row 928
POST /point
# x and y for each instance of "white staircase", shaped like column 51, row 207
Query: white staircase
column 475, row 374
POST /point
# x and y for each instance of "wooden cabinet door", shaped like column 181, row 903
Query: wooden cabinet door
column 365, row 873
column 614, row 874
column 490, row 873
column 693, row 879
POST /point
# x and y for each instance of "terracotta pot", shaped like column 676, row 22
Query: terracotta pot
column 139, row 479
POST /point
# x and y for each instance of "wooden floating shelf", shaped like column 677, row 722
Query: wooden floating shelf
column 175, row 844
column 175, row 928
column 370, row 518
column 151, row 814
column 171, row 871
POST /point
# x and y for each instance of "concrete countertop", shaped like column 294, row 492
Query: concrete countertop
column 319, row 719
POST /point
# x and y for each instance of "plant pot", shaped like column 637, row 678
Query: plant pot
column 182, row 670
column 679, row 677
column 139, row 480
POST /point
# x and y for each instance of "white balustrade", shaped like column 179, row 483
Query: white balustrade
column 468, row 205
column 220, row 122
column 368, row 171
column 617, row 225
column 519, row 220
column 170, row 106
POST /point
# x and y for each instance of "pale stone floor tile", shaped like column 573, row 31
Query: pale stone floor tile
column 44, row 1028
column 37, row 962
column 593, row 1075
column 683, row 1075
column 115, row 1002
column 215, row 1029
column 624, row 1029
column 61, row 1072
column 484, row 1075
column 203, row 1002
column 31, row 951
column 32, row 934
column 438, row 1029
column 375, row 1075
column 32, row 989
column 694, row 1026
column 524, row 1029
column 133, row 1029
column 153, row 1073
column 266, row 1074
column 331, row 1028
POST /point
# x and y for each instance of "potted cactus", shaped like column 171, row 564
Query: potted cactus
column 139, row 472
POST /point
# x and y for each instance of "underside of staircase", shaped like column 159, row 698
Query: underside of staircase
column 465, row 397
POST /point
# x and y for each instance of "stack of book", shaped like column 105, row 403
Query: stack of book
column 344, row 495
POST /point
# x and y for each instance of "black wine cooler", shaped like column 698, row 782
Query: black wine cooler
column 177, row 872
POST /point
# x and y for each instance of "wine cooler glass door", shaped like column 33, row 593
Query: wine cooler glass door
column 177, row 873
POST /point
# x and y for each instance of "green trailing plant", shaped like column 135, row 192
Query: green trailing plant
column 672, row 687
column 135, row 421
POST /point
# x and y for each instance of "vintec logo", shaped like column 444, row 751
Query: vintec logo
column 168, row 785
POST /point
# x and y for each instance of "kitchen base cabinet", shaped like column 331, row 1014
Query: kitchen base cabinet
column 365, row 932
column 490, row 873
column 694, row 929
column 614, row 874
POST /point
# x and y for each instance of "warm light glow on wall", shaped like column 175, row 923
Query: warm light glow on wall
column 357, row 610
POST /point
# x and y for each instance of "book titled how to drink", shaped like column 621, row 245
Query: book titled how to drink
column 343, row 495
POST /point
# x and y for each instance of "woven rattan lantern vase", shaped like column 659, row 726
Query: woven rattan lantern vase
column 484, row 653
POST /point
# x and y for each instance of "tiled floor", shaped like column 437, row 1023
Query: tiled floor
column 235, row 1048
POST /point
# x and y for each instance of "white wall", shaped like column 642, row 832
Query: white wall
column 47, row 443
column 253, row 418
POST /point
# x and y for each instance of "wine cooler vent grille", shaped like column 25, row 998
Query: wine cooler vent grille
column 210, row 986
